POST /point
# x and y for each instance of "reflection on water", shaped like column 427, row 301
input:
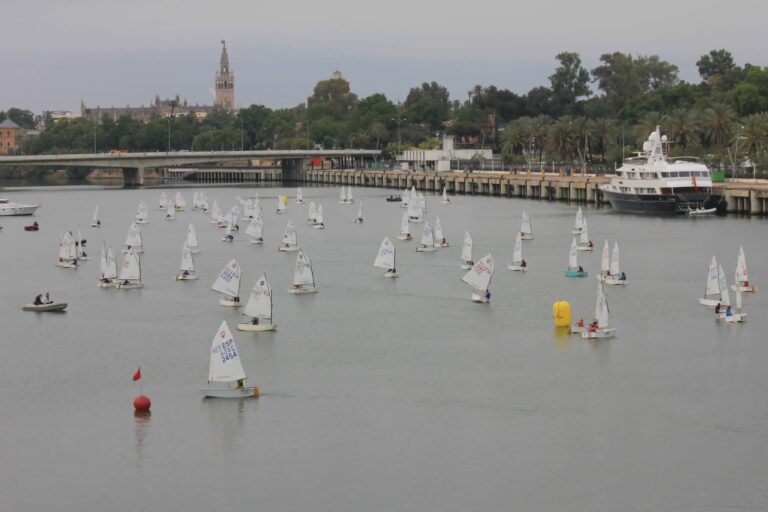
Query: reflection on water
column 141, row 431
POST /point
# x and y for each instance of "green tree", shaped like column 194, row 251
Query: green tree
column 428, row 106
column 717, row 125
column 569, row 82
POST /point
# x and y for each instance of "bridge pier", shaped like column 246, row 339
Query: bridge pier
column 133, row 176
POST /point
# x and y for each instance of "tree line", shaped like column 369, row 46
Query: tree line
column 581, row 116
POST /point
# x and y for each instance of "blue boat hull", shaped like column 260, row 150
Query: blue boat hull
column 575, row 273
column 658, row 204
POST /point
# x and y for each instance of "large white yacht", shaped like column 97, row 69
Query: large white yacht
column 10, row 208
column 652, row 183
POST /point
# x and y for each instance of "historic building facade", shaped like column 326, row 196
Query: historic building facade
column 224, row 98
column 10, row 137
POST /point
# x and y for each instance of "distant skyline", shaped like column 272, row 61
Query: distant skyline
column 112, row 53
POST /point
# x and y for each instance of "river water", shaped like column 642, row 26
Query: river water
column 380, row 394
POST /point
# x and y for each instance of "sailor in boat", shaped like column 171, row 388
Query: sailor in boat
column 233, row 299
column 185, row 274
column 590, row 244
column 593, row 326
column 623, row 276
column 297, row 286
column 488, row 295
column 523, row 264
column 255, row 321
column 580, row 323
column 409, row 237
column 98, row 223
column 38, row 300
column 47, row 299
column 717, row 309
column 581, row 269
column 728, row 312
column 229, row 237
column 444, row 242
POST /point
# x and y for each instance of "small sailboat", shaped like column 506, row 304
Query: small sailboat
column 349, row 199
column 67, row 252
column 466, row 252
column 440, row 240
column 107, row 267
column 192, row 242
column 259, row 308
column 95, row 222
column 204, row 206
column 585, row 244
column 526, row 231
column 578, row 222
column 180, row 203
column 574, row 270
column 359, row 218
column 479, row 278
column 605, row 262
column 405, row 198
column 170, row 212
column 249, row 209
column 303, row 276
column 216, row 214
column 742, row 275
column 444, row 199
column 195, row 201
column 226, row 377
column 712, row 289
column 80, row 246
column 415, row 211
column 311, row 213
column 427, row 239
column 726, row 313
column 299, row 196
column 162, row 204
column 600, row 328
column 133, row 239
column 281, row 205
column 385, row 258
column 233, row 214
column 255, row 230
column 228, row 234
column 142, row 214
column 518, row 263
column 228, row 284
column 343, row 195
column 290, row 241
column 319, row 219
column 130, row 272
column 187, row 265
column 615, row 275
column 405, row 232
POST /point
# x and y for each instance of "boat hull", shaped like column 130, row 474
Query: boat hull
column 105, row 284
column 291, row 248
column 190, row 277
column 129, row 286
column 600, row 334
column 305, row 289
column 466, row 266
column 229, row 303
column 584, row 248
column 405, row 238
column 257, row 241
column 441, row 245
column 66, row 265
column 13, row 209
column 390, row 274
column 56, row 306
column 358, row 221
column 733, row 319
column 526, row 236
column 516, row 268
column 575, row 273
column 749, row 289
column 480, row 299
column 319, row 226
column 711, row 303
column 249, row 392
column 256, row 328
column 656, row 204
column 425, row 249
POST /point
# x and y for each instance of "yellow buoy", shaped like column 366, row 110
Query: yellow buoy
column 561, row 313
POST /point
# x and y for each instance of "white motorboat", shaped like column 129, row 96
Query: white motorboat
column 10, row 208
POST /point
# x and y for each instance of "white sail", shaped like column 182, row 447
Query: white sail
column 248, row 212
column 302, row 274
column 131, row 269
column 601, row 307
column 228, row 280
column 110, row 268
column 573, row 262
column 427, row 237
column 741, row 268
column 713, row 285
column 180, row 202
column 406, row 197
column 215, row 212
column 203, row 201
column 162, row 204
column 260, row 301
column 95, row 220
column 360, row 210
column 584, row 234
column 445, row 195
column 725, row 297
column 232, row 216
column 134, row 236
column 299, row 195
column 289, row 235
column 312, row 212
column 319, row 215
column 349, row 194
column 479, row 276
column 525, row 224
column 343, row 194
column 517, row 253
column 187, row 263
column 385, row 258
column 466, row 249
column 142, row 215
column 192, row 242
column 103, row 260
column 579, row 220
column 615, row 270
column 170, row 212
column 605, row 259
column 255, row 228
column 404, row 229
column 738, row 299
column 438, row 230
column 225, row 364
column 280, row 204
column 414, row 209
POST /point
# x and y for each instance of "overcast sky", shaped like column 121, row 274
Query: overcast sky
column 54, row 52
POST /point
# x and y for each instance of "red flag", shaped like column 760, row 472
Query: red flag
column 137, row 375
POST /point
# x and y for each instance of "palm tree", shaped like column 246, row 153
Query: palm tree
column 602, row 132
column 538, row 128
column 516, row 137
column 755, row 133
column 650, row 121
column 562, row 140
column 684, row 123
column 717, row 125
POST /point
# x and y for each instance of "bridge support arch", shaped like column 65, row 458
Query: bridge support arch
column 133, row 176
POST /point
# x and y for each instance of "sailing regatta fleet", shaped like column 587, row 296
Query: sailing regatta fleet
column 226, row 375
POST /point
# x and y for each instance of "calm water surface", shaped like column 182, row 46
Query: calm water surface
column 379, row 394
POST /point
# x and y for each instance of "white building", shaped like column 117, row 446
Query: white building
column 440, row 159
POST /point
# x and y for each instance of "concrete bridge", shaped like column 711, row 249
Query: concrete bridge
column 133, row 164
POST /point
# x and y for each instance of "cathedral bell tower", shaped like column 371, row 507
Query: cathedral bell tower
column 225, row 82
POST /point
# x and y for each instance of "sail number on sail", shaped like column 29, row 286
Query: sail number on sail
column 227, row 349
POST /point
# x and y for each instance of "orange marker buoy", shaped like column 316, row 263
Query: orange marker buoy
column 142, row 403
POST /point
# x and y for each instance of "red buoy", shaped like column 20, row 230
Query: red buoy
column 142, row 403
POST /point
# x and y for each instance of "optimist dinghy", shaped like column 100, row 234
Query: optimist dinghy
column 187, row 265
column 255, row 230
column 742, row 275
column 385, row 258
column 299, row 196
column 602, row 329
column 228, row 284
column 518, row 263
column 95, row 222
column 192, row 242
column 303, row 276
column 359, row 218
column 319, row 219
column 259, row 308
column 526, row 231
column 107, row 268
column 226, row 377
column 290, row 242
column 405, row 230
column 712, row 293
column 440, row 240
column 130, row 272
column 427, row 240
column 466, row 252
column 574, row 270
column 444, row 199
column 479, row 278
